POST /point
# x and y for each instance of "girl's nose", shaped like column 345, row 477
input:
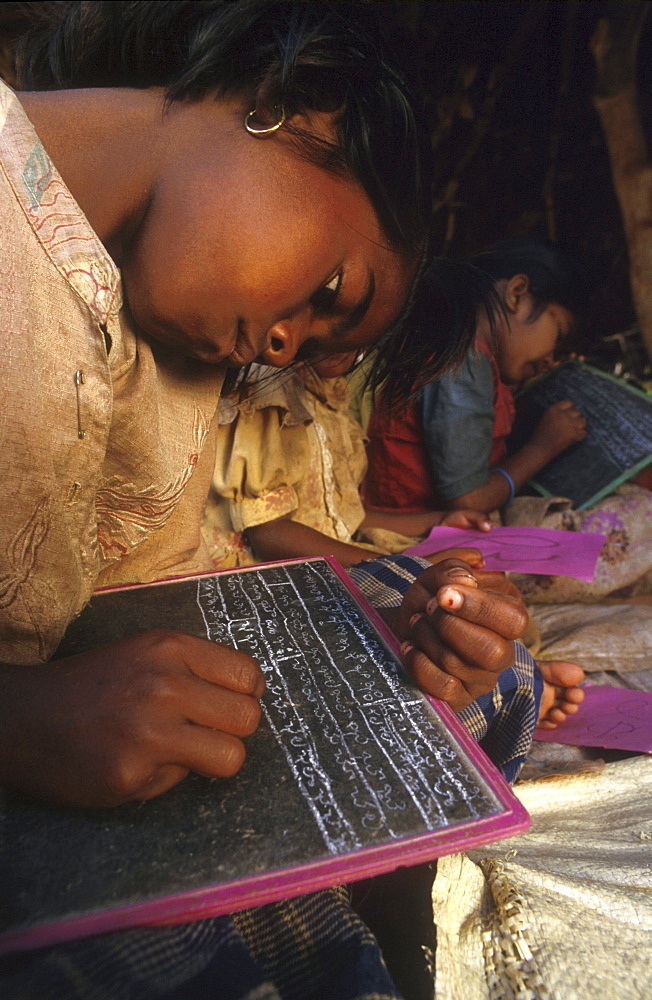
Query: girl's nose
column 285, row 338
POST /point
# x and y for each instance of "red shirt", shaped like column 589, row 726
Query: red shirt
column 399, row 474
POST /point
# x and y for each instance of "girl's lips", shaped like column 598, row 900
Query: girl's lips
column 245, row 351
column 241, row 355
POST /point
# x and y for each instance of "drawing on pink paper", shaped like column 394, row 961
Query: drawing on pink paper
column 523, row 550
column 608, row 717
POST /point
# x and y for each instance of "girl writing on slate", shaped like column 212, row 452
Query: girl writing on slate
column 449, row 448
column 140, row 273
column 228, row 194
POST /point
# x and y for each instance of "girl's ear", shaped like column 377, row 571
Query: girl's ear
column 517, row 293
column 265, row 111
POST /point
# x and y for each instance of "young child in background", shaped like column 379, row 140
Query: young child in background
column 449, row 447
column 289, row 465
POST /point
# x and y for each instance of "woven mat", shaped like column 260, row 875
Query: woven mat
column 562, row 912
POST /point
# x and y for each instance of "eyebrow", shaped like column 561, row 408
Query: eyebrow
column 359, row 311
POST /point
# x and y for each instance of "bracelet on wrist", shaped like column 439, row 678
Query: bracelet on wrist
column 510, row 481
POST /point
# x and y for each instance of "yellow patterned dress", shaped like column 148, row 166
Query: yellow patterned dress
column 288, row 447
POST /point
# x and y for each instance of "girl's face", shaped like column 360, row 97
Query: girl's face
column 526, row 347
column 247, row 252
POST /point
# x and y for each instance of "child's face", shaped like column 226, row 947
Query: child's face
column 248, row 252
column 528, row 349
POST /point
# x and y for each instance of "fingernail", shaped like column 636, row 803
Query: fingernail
column 405, row 648
column 414, row 619
column 450, row 598
column 463, row 577
column 432, row 605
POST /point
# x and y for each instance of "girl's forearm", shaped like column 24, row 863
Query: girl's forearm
column 521, row 466
column 410, row 524
column 285, row 539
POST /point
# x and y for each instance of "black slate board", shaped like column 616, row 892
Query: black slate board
column 351, row 772
column 619, row 439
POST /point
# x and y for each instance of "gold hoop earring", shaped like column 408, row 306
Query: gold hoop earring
column 269, row 128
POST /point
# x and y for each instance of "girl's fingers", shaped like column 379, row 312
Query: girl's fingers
column 445, row 677
column 216, row 707
column 467, row 651
column 434, row 681
column 205, row 751
column 426, row 586
column 471, row 556
column 498, row 613
column 193, row 748
column 496, row 582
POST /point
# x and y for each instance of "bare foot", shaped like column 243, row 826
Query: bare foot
column 561, row 694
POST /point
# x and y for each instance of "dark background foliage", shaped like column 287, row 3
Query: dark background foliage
column 519, row 147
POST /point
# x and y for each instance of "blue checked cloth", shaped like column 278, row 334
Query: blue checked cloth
column 502, row 721
column 311, row 948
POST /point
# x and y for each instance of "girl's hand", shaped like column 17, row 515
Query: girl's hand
column 497, row 582
column 466, row 518
column 560, row 426
column 458, row 637
column 128, row 720
column 471, row 556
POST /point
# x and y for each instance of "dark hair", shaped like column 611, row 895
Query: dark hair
column 302, row 55
column 435, row 331
column 550, row 273
column 450, row 295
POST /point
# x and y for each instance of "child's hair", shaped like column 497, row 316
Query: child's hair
column 550, row 274
column 447, row 295
column 300, row 55
column 451, row 294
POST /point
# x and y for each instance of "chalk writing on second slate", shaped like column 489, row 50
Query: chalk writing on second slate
column 327, row 674
column 624, row 437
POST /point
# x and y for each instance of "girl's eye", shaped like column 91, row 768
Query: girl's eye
column 323, row 301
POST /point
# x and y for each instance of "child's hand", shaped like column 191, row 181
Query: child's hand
column 471, row 556
column 128, row 720
column 457, row 636
column 560, row 426
column 466, row 518
column 496, row 582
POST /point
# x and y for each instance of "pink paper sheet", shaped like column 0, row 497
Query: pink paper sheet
column 608, row 717
column 523, row 550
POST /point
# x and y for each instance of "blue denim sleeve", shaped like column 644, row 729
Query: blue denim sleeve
column 458, row 422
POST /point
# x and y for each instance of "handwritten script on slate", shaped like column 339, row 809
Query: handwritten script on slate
column 522, row 550
column 608, row 717
column 619, row 432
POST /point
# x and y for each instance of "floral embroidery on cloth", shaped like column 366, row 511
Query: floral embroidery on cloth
column 624, row 568
column 112, row 428
column 128, row 513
